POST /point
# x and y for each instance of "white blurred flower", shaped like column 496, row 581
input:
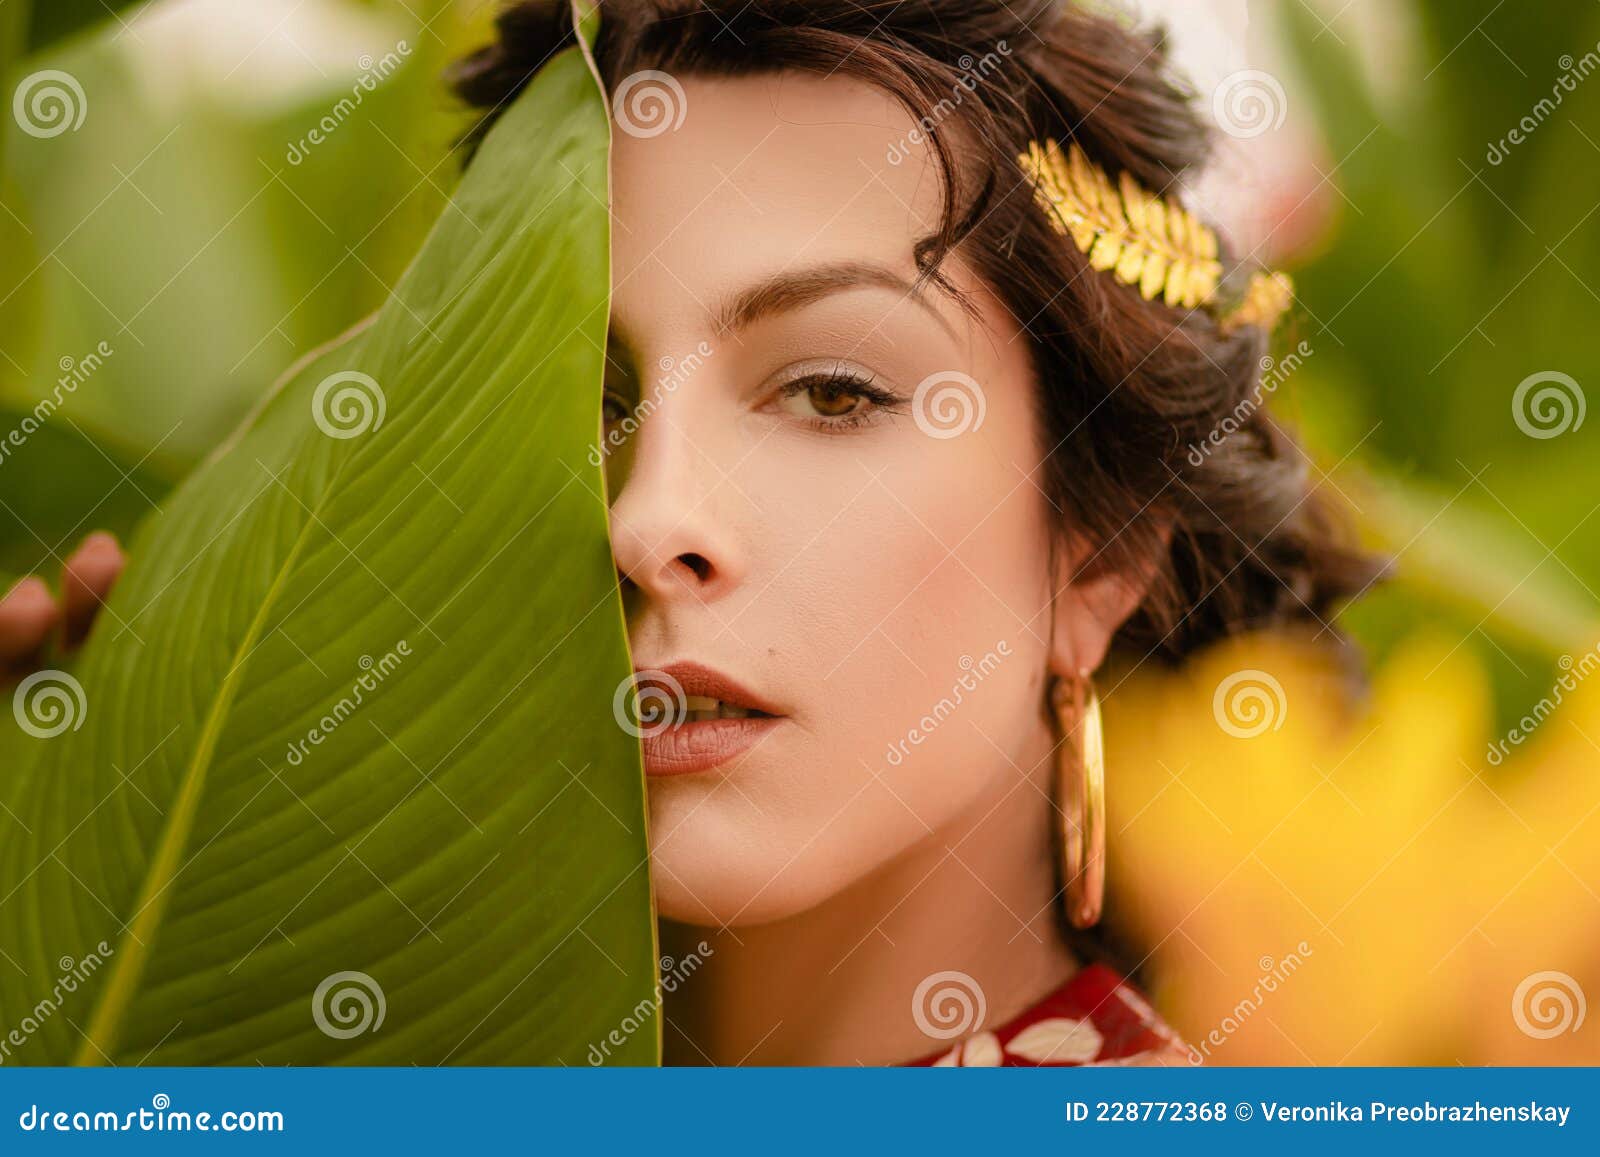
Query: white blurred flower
column 260, row 59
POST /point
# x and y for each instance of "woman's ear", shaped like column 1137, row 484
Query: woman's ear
column 1091, row 608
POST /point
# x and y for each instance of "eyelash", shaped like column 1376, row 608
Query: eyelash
column 853, row 385
column 845, row 382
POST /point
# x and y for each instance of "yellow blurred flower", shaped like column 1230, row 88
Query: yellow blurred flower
column 1328, row 878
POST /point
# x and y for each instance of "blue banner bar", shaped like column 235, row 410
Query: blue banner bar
column 759, row 1111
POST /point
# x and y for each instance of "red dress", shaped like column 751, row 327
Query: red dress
column 1095, row 1018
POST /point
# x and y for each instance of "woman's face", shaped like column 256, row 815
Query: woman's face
column 800, row 530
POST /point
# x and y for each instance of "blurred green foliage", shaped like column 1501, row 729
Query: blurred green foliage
column 51, row 20
column 181, row 227
column 1455, row 271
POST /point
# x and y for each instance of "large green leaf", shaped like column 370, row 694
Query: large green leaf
column 349, row 709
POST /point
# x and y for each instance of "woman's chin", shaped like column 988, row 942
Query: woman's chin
column 712, row 899
column 736, row 891
column 722, row 903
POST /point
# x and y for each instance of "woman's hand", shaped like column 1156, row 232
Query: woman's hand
column 30, row 616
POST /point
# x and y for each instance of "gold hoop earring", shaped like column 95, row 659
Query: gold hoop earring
column 1081, row 797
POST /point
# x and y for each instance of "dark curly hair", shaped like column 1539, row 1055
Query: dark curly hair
column 1237, row 537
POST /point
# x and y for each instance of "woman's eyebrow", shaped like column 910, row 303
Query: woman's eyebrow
column 791, row 290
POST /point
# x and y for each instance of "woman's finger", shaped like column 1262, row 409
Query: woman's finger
column 28, row 614
column 86, row 581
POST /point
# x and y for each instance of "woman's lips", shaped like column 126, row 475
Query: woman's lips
column 675, row 745
column 701, row 746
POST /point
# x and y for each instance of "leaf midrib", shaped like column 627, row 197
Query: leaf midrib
column 128, row 965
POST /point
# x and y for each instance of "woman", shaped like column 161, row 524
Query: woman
column 916, row 379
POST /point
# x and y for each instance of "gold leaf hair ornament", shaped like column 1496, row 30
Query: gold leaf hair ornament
column 1161, row 248
column 1266, row 299
column 1147, row 242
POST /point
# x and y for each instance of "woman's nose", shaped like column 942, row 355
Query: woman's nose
column 673, row 523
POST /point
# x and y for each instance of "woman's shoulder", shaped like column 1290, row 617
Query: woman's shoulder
column 1094, row 1018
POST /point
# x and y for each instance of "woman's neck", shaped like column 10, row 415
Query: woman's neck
column 835, row 985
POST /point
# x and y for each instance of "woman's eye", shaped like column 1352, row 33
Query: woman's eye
column 834, row 401
column 613, row 409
